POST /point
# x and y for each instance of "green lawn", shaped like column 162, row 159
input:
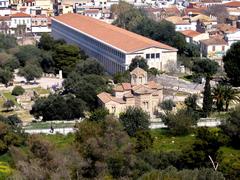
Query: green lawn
column 59, row 140
column 165, row 142
column 40, row 90
column 9, row 96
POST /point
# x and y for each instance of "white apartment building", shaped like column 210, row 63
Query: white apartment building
column 4, row 3
column 21, row 19
column 112, row 46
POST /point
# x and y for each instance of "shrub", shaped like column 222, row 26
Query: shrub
column 17, row 90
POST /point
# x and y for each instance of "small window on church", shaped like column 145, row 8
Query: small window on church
column 157, row 55
column 152, row 56
column 113, row 109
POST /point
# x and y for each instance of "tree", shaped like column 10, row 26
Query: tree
column 85, row 87
column 138, row 62
column 7, row 41
column 89, row 66
column 219, row 11
column 47, row 63
column 17, row 90
column 28, row 53
column 56, row 107
column 5, row 76
column 99, row 114
column 167, row 105
column 191, row 102
column 206, row 68
column 46, row 42
column 173, row 173
column 121, row 77
column 134, row 119
column 230, row 95
column 66, row 57
column 8, row 104
column 218, row 94
column 153, row 71
column 105, row 147
column 180, row 123
column 231, row 127
column 206, row 145
column 144, row 140
column 31, row 72
column 232, row 64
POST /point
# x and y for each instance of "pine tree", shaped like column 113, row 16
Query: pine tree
column 207, row 98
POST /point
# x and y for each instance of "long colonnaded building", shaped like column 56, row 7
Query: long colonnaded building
column 112, row 46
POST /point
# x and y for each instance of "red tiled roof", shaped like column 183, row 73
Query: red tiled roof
column 106, row 97
column 110, row 34
column 126, row 86
column 232, row 4
column 214, row 41
column 20, row 14
column 4, row 18
column 190, row 33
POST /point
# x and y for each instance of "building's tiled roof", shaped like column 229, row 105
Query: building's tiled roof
column 211, row 1
column 176, row 20
column 232, row 4
column 20, row 14
column 225, row 28
column 4, row 18
column 194, row 10
column 142, row 89
column 172, row 11
column 202, row 18
column 118, row 88
column 126, row 86
column 138, row 71
column 190, row 33
column 117, row 37
column 214, row 41
column 106, row 97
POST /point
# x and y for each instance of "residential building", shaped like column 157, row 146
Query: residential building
column 203, row 19
column 4, row 4
column 194, row 37
column 20, row 23
column 180, row 23
column 5, row 23
column 40, row 24
column 139, row 93
column 232, row 37
column 214, row 48
column 233, row 8
column 112, row 46
column 46, row 5
column 205, row 23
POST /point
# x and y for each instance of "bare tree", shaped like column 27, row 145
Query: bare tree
column 219, row 11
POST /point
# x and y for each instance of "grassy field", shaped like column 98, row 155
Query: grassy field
column 9, row 96
column 164, row 142
column 60, row 141
column 41, row 91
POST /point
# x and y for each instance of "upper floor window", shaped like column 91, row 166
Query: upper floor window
column 157, row 55
column 213, row 48
column 152, row 56
column 147, row 56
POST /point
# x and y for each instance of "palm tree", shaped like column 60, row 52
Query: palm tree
column 230, row 94
column 218, row 93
